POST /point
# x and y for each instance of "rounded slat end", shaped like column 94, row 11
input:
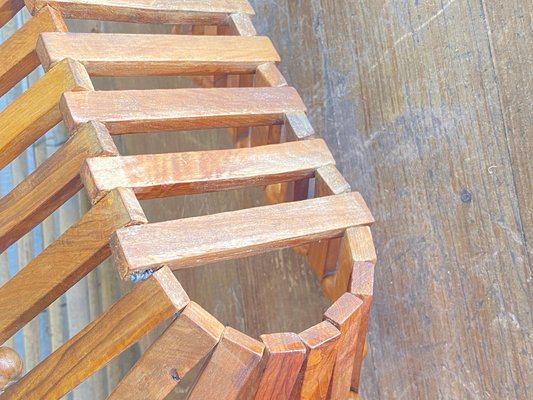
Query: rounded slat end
column 11, row 366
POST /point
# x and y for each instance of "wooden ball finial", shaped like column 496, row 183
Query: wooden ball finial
column 11, row 366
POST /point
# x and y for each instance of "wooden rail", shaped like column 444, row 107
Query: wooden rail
column 276, row 148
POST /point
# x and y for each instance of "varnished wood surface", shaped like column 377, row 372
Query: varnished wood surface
column 134, row 111
column 136, row 55
column 194, row 241
column 426, row 108
column 8, row 9
column 161, row 175
column 284, row 355
column 74, row 254
column 322, row 342
column 35, row 111
column 190, row 338
column 345, row 314
column 54, row 182
column 18, row 53
column 146, row 306
column 233, row 371
column 148, row 11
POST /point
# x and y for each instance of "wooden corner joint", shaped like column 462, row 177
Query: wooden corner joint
column 34, row 6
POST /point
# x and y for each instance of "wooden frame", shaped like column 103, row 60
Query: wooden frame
column 276, row 147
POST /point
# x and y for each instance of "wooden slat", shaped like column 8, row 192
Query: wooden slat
column 78, row 251
column 140, row 55
column 200, row 240
column 190, row 338
column 329, row 181
column 241, row 24
column 36, row 110
column 160, row 175
column 360, row 347
column 345, row 314
column 233, row 371
column 323, row 255
column 284, row 357
column 148, row 11
column 18, row 53
column 268, row 75
column 298, row 127
column 145, row 307
column 134, row 111
column 54, row 182
column 322, row 343
column 8, row 9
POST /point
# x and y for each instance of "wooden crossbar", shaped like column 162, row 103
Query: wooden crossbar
column 146, row 306
column 36, row 110
column 187, row 242
column 148, row 11
column 133, row 55
column 160, row 175
column 72, row 256
column 133, row 111
column 52, row 183
column 18, row 53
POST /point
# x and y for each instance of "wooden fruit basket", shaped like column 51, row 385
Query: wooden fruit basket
column 310, row 205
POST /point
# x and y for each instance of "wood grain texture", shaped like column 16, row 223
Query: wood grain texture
column 200, row 240
column 345, row 314
column 56, row 180
column 426, row 108
column 322, row 342
column 148, row 11
column 36, row 110
column 74, row 254
column 359, row 351
column 18, row 53
column 298, row 127
column 133, row 111
column 233, row 371
column 323, row 255
column 284, row 356
column 8, row 9
column 188, row 340
column 141, row 55
column 355, row 268
column 146, row 306
column 161, row 175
